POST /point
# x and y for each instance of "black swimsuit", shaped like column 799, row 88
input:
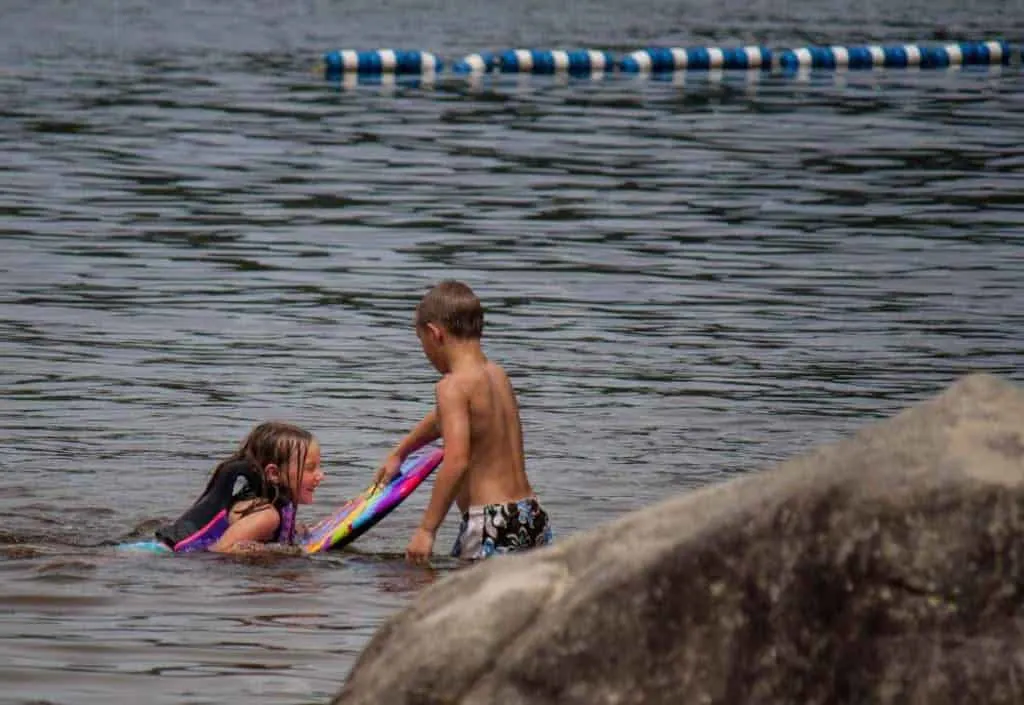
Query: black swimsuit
column 205, row 522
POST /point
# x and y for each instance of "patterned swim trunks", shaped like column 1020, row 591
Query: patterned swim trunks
column 502, row 528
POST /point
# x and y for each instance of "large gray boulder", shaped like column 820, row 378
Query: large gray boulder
column 887, row 568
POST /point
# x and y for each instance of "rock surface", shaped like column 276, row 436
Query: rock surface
column 886, row 568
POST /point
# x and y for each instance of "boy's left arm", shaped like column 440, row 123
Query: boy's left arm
column 453, row 413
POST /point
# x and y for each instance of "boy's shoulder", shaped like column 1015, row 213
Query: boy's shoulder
column 467, row 379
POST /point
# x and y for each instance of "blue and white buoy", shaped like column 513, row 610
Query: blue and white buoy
column 579, row 62
column 661, row 60
column 895, row 56
column 481, row 62
column 351, row 66
column 347, row 61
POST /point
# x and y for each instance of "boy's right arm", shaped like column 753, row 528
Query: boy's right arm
column 426, row 431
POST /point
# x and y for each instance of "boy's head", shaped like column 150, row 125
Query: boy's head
column 452, row 306
column 448, row 314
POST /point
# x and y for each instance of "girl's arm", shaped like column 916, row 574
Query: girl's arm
column 258, row 526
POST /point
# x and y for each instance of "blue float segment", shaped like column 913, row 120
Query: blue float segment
column 381, row 61
column 481, row 62
column 894, row 56
column 579, row 62
column 818, row 57
column 661, row 59
column 985, row 52
column 934, row 58
column 752, row 57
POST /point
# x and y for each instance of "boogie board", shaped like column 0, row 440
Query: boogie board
column 357, row 516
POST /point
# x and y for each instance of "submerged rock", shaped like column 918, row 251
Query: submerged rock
column 886, row 568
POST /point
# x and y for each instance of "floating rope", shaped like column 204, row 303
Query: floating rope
column 590, row 62
column 661, row 60
column 899, row 56
column 582, row 62
column 381, row 61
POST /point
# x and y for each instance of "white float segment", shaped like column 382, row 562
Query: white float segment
column 643, row 60
column 680, row 58
column 387, row 60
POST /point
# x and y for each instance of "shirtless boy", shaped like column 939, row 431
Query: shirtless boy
column 477, row 417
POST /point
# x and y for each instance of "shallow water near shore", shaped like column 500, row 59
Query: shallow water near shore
column 687, row 281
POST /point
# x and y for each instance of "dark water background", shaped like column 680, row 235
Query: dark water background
column 686, row 282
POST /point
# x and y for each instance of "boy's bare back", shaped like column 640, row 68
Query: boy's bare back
column 496, row 470
column 477, row 418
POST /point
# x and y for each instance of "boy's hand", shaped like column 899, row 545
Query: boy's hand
column 387, row 471
column 421, row 545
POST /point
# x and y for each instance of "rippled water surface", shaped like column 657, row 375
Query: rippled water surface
column 687, row 280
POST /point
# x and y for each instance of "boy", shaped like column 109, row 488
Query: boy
column 477, row 417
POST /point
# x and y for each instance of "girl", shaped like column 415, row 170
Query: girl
column 251, row 496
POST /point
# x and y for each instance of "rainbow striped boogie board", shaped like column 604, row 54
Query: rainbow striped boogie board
column 360, row 514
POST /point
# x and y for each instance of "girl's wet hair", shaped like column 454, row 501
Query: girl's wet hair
column 272, row 443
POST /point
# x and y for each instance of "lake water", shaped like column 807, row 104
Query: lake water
column 686, row 283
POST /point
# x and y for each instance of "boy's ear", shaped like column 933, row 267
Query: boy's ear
column 272, row 472
column 435, row 331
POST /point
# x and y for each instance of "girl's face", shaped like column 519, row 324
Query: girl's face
column 303, row 481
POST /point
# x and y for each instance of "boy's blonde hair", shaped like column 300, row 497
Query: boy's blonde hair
column 453, row 306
